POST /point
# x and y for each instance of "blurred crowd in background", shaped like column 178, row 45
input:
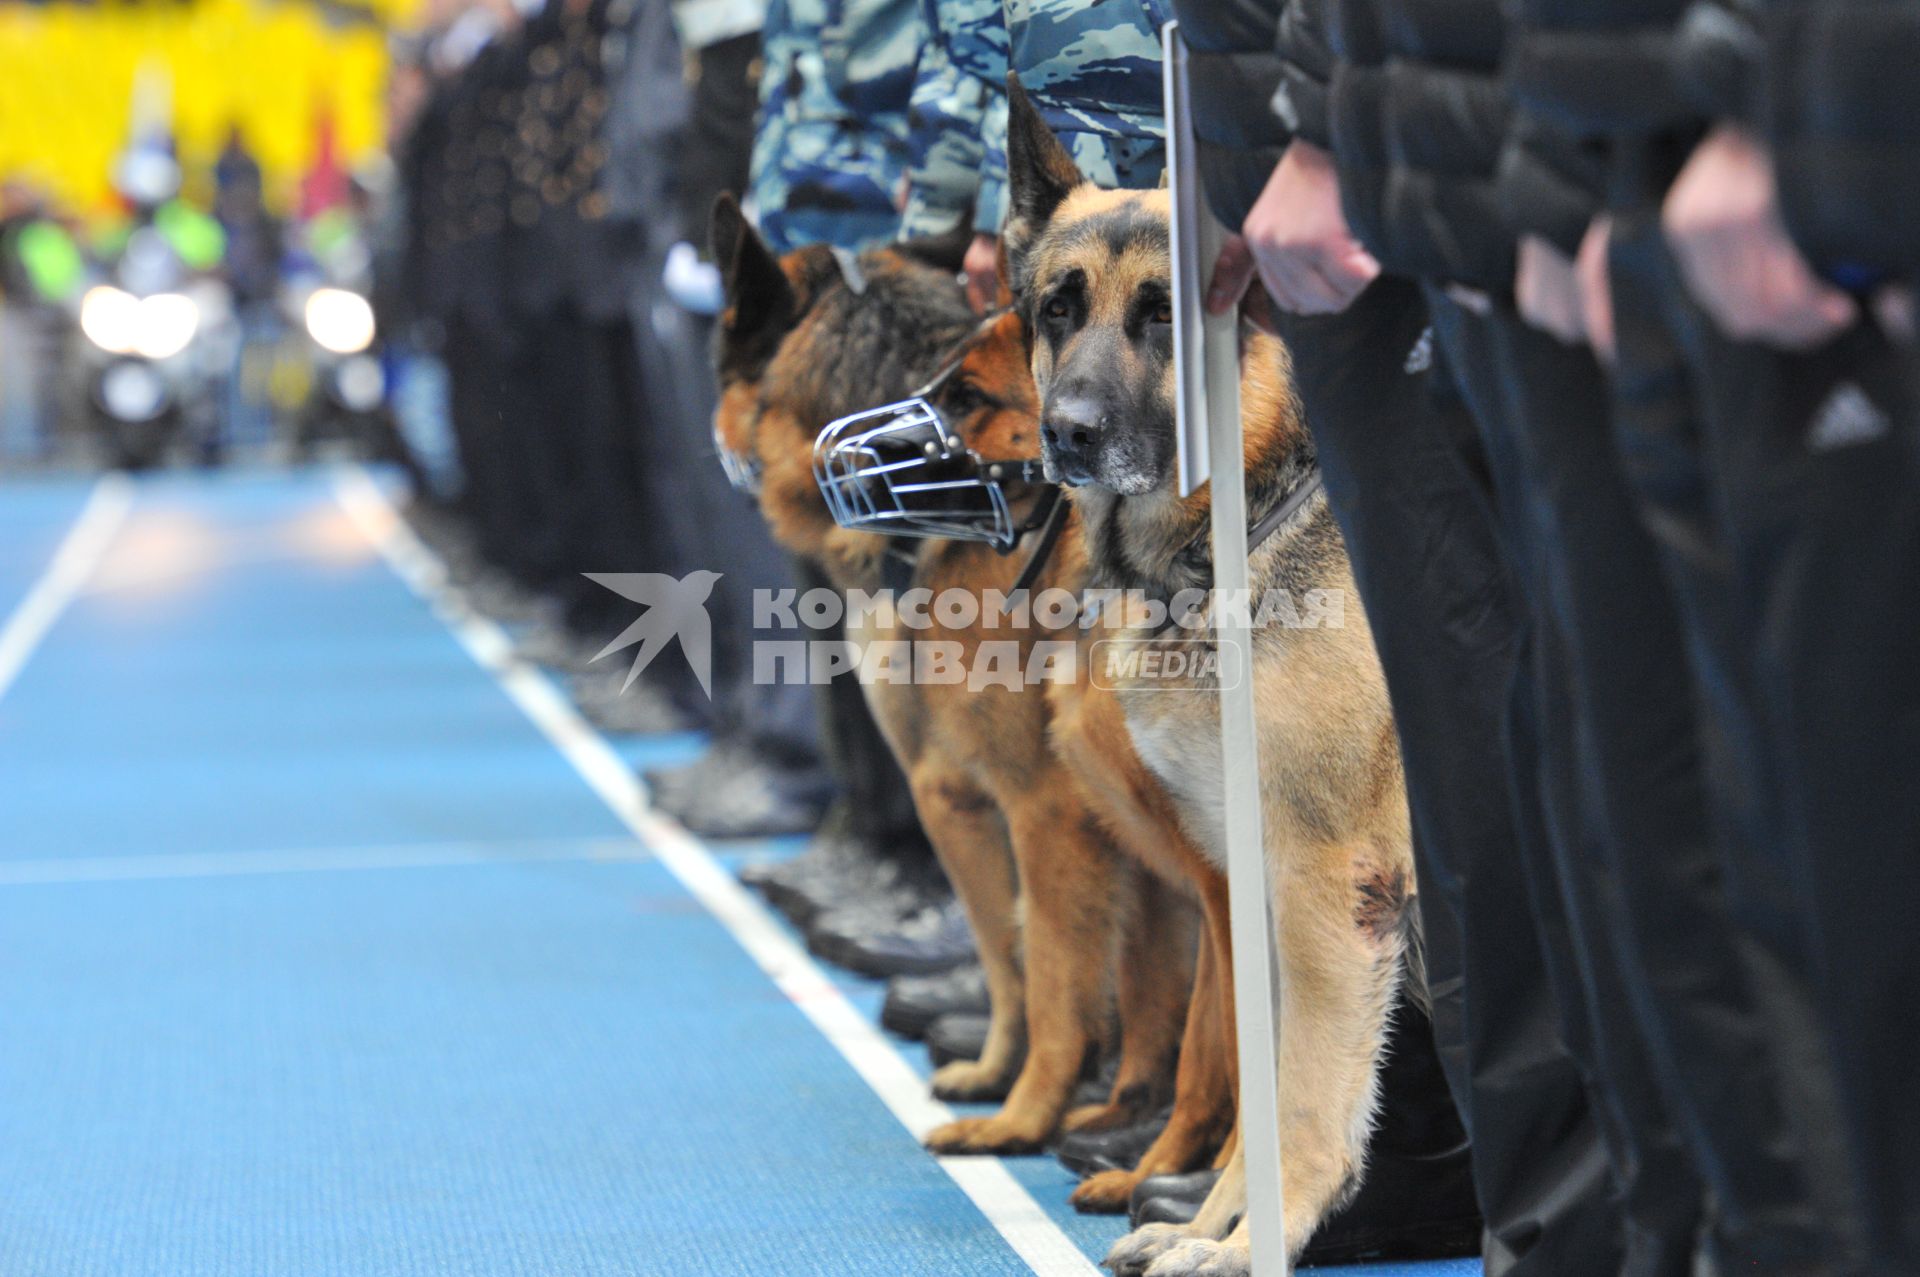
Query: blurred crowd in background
column 468, row 237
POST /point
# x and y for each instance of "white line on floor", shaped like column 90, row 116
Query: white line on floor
column 222, row 864
column 1008, row 1207
column 79, row 554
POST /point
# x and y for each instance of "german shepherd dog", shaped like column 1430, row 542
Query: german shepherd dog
column 1092, row 271
column 1089, row 733
column 799, row 346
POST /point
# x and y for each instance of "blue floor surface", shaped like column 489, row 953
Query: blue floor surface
column 313, row 961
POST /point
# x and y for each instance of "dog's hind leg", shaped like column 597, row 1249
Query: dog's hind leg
column 1066, row 876
column 970, row 839
column 1158, row 930
column 1203, row 1101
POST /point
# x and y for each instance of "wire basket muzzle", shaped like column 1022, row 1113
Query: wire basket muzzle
column 899, row 470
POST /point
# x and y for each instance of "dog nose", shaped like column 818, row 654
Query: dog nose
column 1072, row 430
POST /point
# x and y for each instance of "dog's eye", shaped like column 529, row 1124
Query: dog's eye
column 1057, row 308
column 1163, row 313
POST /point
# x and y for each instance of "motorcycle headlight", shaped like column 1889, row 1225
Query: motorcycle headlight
column 167, row 323
column 340, row 321
column 157, row 327
column 110, row 318
column 132, row 391
column 360, row 384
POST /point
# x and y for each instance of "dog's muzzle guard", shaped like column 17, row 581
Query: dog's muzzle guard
column 901, row 470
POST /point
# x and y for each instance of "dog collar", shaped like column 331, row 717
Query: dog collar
column 850, row 272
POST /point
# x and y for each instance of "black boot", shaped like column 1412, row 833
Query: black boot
column 914, row 1002
column 1170, row 1199
column 871, row 942
column 956, row 1037
column 842, row 867
column 1090, row 1152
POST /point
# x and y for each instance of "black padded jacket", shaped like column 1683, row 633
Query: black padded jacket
column 1234, row 70
column 1417, row 118
column 1837, row 105
column 1825, row 83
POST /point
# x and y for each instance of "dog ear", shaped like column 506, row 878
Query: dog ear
column 758, row 293
column 946, row 251
column 1039, row 170
column 1040, row 173
column 751, row 271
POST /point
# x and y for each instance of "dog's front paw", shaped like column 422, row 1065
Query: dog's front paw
column 1132, row 1254
column 970, row 1082
column 996, row 1134
column 1105, row 1192
column 1100, row 1117
column 1199, row 1257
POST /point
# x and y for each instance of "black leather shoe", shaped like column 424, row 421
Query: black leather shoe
column 1170, row 1199
column 1090, row 1152
column 670, row 788
column 841, row 868
column 914, row 1002
column 499, row 597
column 742, row 797
column 551, row 643
column 641, row 709
column 956, row 1037
column 934, row 938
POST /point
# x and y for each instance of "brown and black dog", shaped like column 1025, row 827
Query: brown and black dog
column 1090, row 735
column 799, row 346
column 1092, row 271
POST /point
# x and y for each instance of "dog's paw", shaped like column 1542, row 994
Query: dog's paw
column 1132, row 1254
column 1105, row 1193
column 970, row 1081
column 996, row 1134
column 1099, row 1117
column 1199, row 1257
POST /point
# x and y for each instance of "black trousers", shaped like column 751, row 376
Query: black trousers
column 597, row 414
column 1784, row 494
column 1407, row 483
column 510, row 479
column 876, row 803
column 1616, row 763
column 709, row 525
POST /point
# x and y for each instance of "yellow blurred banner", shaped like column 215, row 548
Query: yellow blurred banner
column 67, row 76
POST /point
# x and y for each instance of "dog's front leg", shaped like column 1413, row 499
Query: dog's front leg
column 1341, row 957
column 1158, row 932
column 1203, row 1100
column 1066, row 877
column 970, row 840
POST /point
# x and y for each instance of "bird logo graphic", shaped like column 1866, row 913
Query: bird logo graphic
column 676, row 608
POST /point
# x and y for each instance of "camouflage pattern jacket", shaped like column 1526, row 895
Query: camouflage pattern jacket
column 1091, row 66
column 831, row 150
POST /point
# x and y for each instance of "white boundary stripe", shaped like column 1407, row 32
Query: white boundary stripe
column 986, row 1181
column 225, row 864
column 79, row 554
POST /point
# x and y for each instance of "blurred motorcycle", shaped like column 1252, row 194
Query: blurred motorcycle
column 328, row 297
column 154, row 359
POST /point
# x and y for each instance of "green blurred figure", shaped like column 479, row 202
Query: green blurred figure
column 41, row 271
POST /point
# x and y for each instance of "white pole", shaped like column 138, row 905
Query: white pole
column 1207, row 408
